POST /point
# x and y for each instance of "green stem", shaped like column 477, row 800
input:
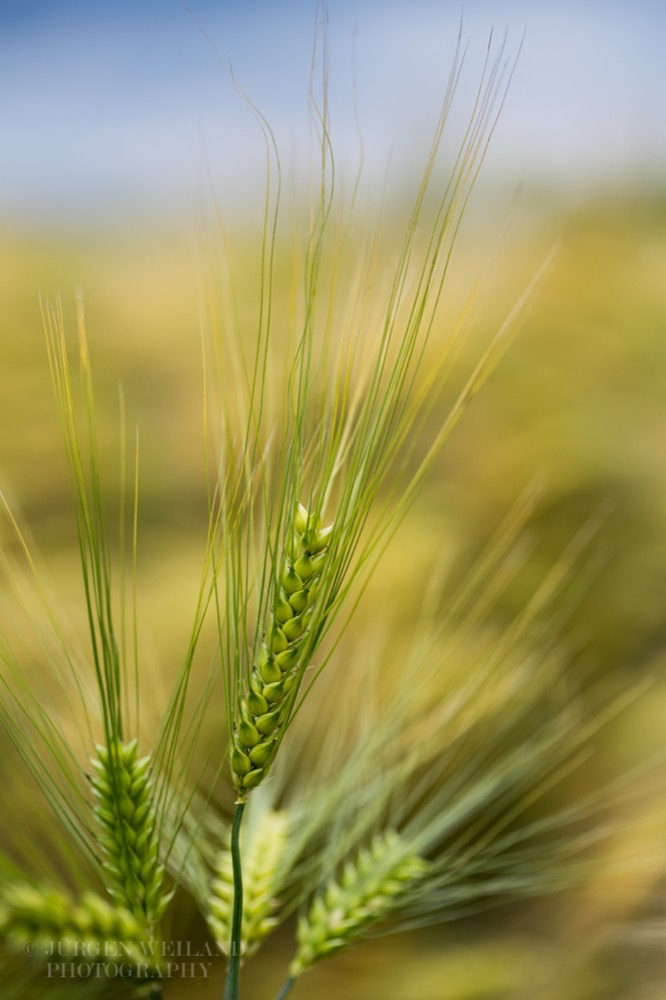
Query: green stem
column 231, row 989
column 286, row 988
column 156, row 992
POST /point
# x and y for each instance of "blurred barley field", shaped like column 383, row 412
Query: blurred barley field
column 577, row 403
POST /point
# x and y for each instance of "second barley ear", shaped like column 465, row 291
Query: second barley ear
column 128, row 836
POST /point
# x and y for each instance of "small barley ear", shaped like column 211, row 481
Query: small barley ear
column 369, row 888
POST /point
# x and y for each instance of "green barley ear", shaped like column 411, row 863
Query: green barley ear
column 369, row 889
column 262, row 875
column 125, row 810
column 281, row 659
column 40, row 916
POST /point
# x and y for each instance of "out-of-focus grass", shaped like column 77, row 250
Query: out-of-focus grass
column 579, row 399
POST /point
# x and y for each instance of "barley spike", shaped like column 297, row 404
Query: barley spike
column 40, row 916
column 125, row 811
column 264, row 706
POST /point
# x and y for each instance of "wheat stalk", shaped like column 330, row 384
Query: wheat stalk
column 263, row 872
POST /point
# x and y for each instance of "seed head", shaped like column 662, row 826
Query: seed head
column 39, row 915
column 125, row 811
column 369, row 889
column 279, row 662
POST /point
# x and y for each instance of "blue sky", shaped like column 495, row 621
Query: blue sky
column 116, row 104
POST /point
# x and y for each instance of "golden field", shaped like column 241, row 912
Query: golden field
column 577, row 403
